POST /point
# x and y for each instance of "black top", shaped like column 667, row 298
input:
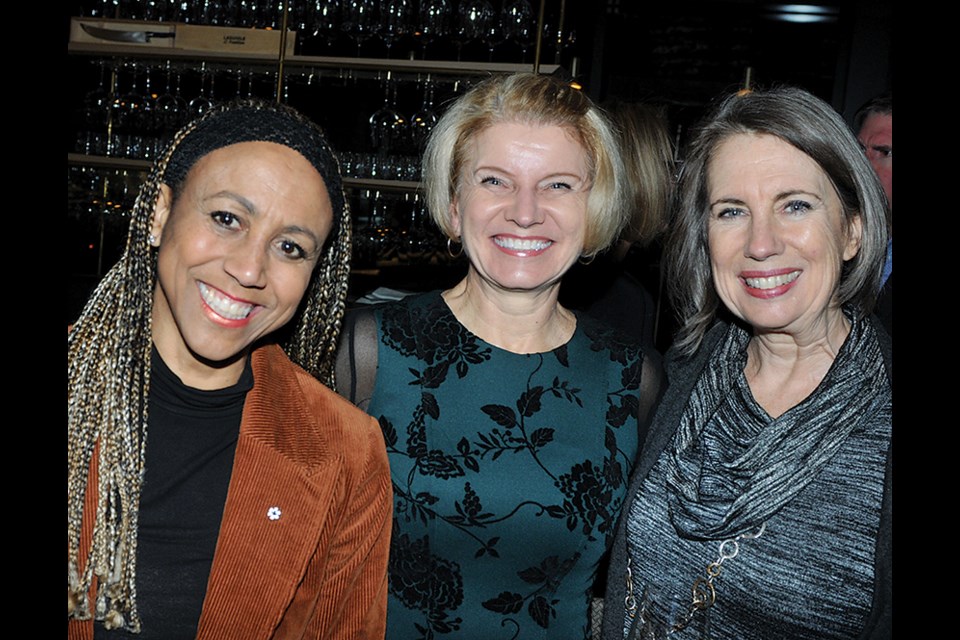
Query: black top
column 192, row 437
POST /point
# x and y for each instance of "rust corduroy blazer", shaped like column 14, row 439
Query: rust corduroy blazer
column 319, row 570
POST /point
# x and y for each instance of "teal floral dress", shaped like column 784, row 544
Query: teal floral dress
column 509, row 472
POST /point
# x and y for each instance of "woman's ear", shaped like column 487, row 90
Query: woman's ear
column 455, row 222
column 161, row 213
column 854, row 237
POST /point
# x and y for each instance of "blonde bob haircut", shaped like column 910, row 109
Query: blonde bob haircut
column 537, row 100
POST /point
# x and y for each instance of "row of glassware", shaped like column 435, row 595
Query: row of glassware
column 428, row 27
column 389, row 227
column 136, row 107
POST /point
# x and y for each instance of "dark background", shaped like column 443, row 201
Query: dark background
column 685, row 53
column 677, row 54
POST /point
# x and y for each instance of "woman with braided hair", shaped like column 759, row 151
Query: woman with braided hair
column 216, row 489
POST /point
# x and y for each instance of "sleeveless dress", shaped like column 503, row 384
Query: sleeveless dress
column 509, row 471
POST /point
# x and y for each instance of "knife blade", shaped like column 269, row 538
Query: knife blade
column 117, row 35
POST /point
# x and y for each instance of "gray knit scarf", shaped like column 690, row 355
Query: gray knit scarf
column 716, row 495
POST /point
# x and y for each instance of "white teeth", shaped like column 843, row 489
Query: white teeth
column 772, row 281
column 521, row 244
column 224, row 306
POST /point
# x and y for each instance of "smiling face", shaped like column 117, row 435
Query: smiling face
column 521, row 205
column 776, row 236
column 237, row 249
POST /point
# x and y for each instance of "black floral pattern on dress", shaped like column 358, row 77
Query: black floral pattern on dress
column 425, row 582
column 446, row 343
column 588, row 498
column 446, row 467
column 546, row 578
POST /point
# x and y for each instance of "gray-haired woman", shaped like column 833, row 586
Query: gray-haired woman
column 761, row 504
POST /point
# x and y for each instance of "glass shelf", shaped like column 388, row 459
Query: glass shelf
column 111, row 162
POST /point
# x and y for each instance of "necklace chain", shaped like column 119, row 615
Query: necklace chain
column 704, row 594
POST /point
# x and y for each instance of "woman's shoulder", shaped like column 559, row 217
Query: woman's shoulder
column 405, row 310
column 885, row 340
column 602, row 334
column 411, row 301
column 334, row 416
column 638, row 365
column 678, row 363
column 420, row 318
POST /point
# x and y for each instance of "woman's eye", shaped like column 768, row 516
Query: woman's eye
column 491, row 180
column 559, row 185
column 292, row 250
column 226, row 219
column 797, row 206
column 730, row 212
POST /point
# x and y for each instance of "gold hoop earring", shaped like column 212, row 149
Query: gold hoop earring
column 450, row 249
column 586, row 261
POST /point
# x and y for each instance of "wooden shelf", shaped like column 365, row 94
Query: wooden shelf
column 442, row 67
column 166, row 53
column 371, row 183
column 110, row 162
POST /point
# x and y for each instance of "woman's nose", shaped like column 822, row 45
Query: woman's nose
column 247, row 265
column 525, row 210
column 763, row 238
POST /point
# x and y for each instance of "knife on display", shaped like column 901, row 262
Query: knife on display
column 117, row 35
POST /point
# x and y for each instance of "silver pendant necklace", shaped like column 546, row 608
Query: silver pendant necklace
column 704, row 593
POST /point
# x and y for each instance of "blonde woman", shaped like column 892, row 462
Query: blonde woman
column 511, row 422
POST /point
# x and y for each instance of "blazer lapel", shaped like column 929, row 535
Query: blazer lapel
column 284, row 474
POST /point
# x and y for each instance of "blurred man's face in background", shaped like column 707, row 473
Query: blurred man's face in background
column 876, row 137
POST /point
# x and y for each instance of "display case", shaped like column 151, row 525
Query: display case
column 374, row 74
